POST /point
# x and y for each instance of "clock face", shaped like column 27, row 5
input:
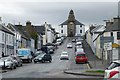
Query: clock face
column 71, row 23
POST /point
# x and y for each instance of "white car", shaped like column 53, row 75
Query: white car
column 78, row 43
column 64, row 56
column 7, row 62
column 113, row 71
column 79, row 50
column 69, row 45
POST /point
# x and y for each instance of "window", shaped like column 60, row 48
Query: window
column 111, row 33
column 3, row 37
column 80, row 31
column 61, row 31
column 80, row 25
column 118, row 35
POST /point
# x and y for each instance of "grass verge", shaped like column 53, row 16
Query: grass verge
column 96, row 71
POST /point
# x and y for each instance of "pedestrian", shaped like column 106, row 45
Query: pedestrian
column 3, row 54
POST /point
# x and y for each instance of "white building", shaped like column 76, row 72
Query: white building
column 72, row 27
column 113, row 31
column 6, row 41
column 50, row 33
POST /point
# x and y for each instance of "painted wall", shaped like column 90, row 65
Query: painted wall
column 78, row 28
column 64, row 28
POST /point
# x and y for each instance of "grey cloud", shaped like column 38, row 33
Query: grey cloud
column 55, row 13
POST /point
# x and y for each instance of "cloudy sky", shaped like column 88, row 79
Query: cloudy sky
column 56, row 11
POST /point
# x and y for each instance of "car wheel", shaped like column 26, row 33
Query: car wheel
column 50, row 61
column 76, row 62
column 21, row 64
column 12, row 67
column 35, row 62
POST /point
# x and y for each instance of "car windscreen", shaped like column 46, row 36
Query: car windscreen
column 64, row 53
column 40, row 56
column 113, row 65
column 80, row 55
column 23, row 52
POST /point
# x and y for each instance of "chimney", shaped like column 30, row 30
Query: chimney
column 108, row 23
column 28, row 24
column 116, row 19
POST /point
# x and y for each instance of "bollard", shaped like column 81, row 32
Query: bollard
column 4, row 65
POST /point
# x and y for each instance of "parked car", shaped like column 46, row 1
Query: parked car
column 64, row 56
column 78, row 47
column 73, row 40
column 25, row 54
column 113, row 71
column 7, row 62
column 59, row 42
column 42, row 58
column 38, row 53
column 17, row 60
column 69, row 45
column 45, row 49
column 79, row 40
column 79, row 50
column 51, row 49
column 78, row 43
column 81, row 58
column 52, row 44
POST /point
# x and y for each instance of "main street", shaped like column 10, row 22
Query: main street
column 50, row 70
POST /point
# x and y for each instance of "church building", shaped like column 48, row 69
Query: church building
column 72, row 27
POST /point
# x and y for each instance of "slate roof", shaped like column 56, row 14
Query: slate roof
column 76, row 22
column 114, row 27
column 40, row 29
column 20, row 31
column 97, row 28
column 5, row 30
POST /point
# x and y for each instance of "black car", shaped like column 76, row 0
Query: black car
column 43, row 58
column 51, row 49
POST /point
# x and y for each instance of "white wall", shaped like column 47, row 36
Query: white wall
column 49, row 37
column 115, row 37
column 44, row 39
column 9, row 41
column 1, row 42
column 78, row 28
column 64, row 30
column 115, row 50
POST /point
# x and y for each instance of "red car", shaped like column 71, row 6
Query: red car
column 81, row 58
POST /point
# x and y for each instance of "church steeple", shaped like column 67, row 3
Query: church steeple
column 71, row 17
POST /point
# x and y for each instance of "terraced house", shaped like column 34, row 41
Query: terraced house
column 6, row 41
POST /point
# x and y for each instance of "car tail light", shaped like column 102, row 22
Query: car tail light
column 112, row 74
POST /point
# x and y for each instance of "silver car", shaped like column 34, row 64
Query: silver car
column 7, row 62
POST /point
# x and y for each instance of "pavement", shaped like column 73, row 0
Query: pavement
column 2, row 70
column 94, row 64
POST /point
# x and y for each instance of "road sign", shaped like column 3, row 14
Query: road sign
column 115, row 45
column 108, row 46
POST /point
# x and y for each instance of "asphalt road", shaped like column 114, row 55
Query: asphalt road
column 50, row 70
